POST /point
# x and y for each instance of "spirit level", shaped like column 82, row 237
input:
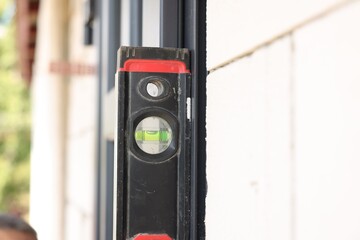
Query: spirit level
column 152, row 145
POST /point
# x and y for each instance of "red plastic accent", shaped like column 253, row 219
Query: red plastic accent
column 153, row 65
column 152, row 237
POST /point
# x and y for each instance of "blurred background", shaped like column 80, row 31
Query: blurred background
column 282, row 115
column 15, row 121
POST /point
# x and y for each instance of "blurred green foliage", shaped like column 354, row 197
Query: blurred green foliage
column 14, row 121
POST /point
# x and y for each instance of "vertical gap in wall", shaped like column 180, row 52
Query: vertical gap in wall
column 293, row 176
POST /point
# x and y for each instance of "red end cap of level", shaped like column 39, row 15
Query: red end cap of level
column 149, row 65
column 152, row 237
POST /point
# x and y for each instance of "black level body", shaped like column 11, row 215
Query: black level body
column 152, row 183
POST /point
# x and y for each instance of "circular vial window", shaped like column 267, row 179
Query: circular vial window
column 155, row 88
column 153, row 135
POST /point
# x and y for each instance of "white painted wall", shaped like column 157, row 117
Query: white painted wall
column 82, row 98
column 63, row 180
column 283, row 124
column 248, row 150
column 48, row 129
column 245, row 23
column 328, row 130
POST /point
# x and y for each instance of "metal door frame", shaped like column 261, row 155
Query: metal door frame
column 182, row 25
